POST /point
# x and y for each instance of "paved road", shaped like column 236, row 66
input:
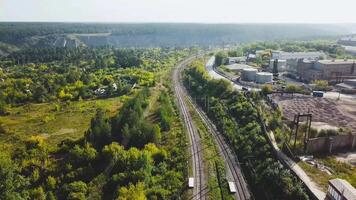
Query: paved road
column 209, row 67
column 200, row 186
column 218, row 75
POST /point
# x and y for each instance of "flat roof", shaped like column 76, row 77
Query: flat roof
column 191, row 182
column 330, row 62
column 232, row 187
column 297, row 55
column 238, row 66
column 264, row 73
column 344, row 187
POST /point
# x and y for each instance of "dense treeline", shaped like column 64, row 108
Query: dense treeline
column 165, row 111
column 155, row 35
column 329, row 47
column 119, row 158
column 237, row 119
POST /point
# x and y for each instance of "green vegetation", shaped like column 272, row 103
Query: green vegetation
column 67, row 141
column 236, row 119
column 220, row 58
column 338, row 170
column 321, row 85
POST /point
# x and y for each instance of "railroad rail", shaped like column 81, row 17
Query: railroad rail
column 234, row 173
column 194, row 139
column 233, row 170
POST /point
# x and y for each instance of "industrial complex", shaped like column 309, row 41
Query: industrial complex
column 330, row 70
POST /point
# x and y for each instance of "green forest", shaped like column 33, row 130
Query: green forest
column 130, row 142
column 15, row 36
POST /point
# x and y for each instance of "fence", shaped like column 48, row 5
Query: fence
column 331, row 144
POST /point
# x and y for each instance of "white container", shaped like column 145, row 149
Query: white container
column 249, row 74
column 264, row 77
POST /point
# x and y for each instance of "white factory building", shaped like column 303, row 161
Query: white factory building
column 291, row 58
column 234, row 60
column 282, row 65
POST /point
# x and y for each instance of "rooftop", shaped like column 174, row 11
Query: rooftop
column 238, row 67
column 330, row 62
column 297, row 55
column 344, row 187
column 264, row 73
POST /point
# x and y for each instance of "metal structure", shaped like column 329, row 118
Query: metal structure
column 296, row 121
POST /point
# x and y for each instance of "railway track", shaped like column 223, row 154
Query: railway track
column 233, row 168
column 196, row 152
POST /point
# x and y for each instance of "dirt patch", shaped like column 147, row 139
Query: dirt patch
column 323, row 126
column 349, row 158
column 329, row 112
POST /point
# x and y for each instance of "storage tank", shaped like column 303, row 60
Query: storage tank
column 249, row 74
column 264, row 77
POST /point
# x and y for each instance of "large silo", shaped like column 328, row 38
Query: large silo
column 249, row 74
column 264, row 77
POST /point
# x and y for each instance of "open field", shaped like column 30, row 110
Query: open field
column 53, row 121
column 330, row 112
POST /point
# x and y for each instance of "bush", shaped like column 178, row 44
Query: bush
column 3, row 108
column 267, row 89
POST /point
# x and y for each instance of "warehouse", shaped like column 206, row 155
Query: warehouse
column 238, row 67
column 292, row 58
column 325, row 69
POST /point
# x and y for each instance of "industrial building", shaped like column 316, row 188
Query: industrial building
column 233, row 60
column 281, row 55
column 348, row 41
column 292, row 58
column 340, row 189
column 238, row 67
column 349, row 84
column 281, row 64
column 330, row 70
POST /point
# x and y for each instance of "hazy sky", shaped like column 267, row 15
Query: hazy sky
column 225, row 11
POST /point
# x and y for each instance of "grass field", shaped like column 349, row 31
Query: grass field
column 53, row 121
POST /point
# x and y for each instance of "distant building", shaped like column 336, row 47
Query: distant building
column 282, row 65
column 309, row 70
column 340, row 189
column 251, row 57
column 292, row 58
column 349, row 84
column 296, row 55
column 238, row 67
column 347, row 41
column 233, row 60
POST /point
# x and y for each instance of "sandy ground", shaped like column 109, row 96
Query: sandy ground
column 349, row 158
column 325, row 112
column 323, row 126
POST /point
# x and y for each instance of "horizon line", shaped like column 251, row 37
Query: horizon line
column 177, row 22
